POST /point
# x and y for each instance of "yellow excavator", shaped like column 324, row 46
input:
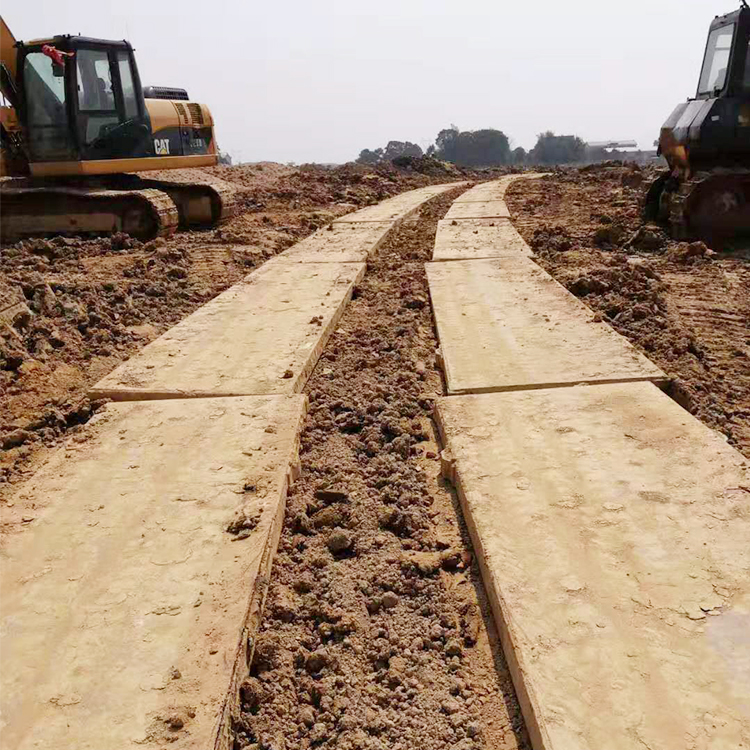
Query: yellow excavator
column 76, row 129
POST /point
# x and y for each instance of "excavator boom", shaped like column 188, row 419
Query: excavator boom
column 7, row 59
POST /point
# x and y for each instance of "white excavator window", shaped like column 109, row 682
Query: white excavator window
column 46, row 115
column 716, row 64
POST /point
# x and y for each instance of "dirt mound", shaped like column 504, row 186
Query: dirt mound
column 87, row 305
column 687, row 253
column 428, row 165
column 683, row 304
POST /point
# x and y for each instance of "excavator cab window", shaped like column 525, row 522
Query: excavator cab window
column 716, row 63
column 97, row 110
column 50, row 138
column 111, row 122
column 129, row 97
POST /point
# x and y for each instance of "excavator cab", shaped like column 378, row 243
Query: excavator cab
column 78, row 108
column 81, row 99
column 706, row 142
column 726, row 70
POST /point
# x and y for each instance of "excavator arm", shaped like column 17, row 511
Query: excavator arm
column 7, row 63
column 13, row 157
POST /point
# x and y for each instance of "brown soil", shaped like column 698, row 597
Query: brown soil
column 83, row 306
column 376, row 633
column 685, row 306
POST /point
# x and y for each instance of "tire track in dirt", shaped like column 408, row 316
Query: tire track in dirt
column 376, row 633
column 713, row 302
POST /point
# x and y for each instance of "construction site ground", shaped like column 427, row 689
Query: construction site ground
column 686, row 306
column 376, row 627
column 90, row 304
column 410, row 654
column 397, row 615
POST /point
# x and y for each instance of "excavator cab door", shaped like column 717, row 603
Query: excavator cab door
column 111, row 118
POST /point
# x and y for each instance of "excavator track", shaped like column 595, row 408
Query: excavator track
column 29, row 211
column 712, row 206
column 143, row 206
column 201, row 200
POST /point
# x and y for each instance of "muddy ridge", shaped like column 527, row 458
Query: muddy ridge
column 685, row 305
column 373, row 635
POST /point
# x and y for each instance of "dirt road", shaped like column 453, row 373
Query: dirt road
column 377, row 633
column 687, row 307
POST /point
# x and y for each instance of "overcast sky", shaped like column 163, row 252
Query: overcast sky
column 318, row 80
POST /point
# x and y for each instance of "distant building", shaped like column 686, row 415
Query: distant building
column 597, row 151
column 612, row 144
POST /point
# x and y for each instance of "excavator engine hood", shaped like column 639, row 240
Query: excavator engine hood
column 715, row 130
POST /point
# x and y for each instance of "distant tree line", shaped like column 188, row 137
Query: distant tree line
column 484, row 148
column 392, row 151
column 557, row 149
column 472, row 148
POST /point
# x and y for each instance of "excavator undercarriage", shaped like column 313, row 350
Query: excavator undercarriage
column 142, row 207
column 713, row 205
